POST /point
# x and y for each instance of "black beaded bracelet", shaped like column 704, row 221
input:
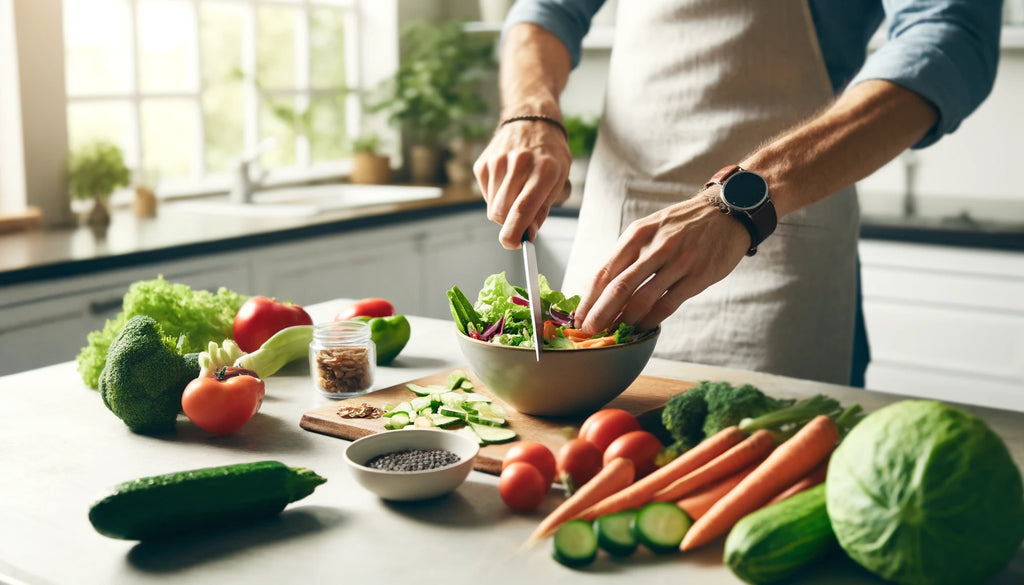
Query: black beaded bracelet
column 537, row 118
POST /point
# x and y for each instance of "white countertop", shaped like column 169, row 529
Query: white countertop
column 61, row 449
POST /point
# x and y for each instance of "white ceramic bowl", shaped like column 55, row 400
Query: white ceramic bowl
column 411, row 485
column 565, row 382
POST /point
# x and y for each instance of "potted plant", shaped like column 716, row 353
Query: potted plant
column 435, row 89
column 369, row 166
column 95, row 170
column 582, row 137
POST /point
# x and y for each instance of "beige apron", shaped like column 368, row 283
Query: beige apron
column 695, row 85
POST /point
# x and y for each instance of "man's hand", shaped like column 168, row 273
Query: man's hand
column 660, row 261
column 522, row 173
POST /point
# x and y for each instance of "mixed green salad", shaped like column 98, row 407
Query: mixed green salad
column 501, row 315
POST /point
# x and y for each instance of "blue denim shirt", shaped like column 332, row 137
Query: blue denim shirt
column 946, row 51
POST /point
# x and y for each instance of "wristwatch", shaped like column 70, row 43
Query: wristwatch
column 744, row 195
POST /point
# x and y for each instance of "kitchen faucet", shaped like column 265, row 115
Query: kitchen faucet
column 244, row 185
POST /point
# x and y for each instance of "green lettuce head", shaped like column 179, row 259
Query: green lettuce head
column 922, row 493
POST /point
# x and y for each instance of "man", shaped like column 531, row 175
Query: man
column 773, row 100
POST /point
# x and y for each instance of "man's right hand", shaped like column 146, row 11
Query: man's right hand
column 522, row 173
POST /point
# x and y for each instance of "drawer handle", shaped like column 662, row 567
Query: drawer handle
column 104, row 307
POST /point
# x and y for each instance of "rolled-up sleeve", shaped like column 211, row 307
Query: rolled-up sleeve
column 569, row 20
column 945, row 51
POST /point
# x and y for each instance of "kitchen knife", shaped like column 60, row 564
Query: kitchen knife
column 533, row 290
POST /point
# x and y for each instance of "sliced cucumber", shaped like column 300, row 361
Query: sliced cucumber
column 453, row 411
column 575, row 543
column 398, row 420
column 441, row 420
column 471, row 397
column 489, row 434
column 421, row 390
column 458, row 380
column 660, row 526
column 485, row 420
column 469, row 433
column 420, row 402
column 615, row 533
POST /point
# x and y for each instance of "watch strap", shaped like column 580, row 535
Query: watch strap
column 759, row 222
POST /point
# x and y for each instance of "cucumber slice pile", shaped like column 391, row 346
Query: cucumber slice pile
column 452, row 406
column 659, row 526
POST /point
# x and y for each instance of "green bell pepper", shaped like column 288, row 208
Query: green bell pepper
column 389, row 334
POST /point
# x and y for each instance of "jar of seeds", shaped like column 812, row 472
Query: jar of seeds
column 342, row 358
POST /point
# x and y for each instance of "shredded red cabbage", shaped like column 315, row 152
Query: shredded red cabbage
column 493, row 330
column 559, row 317
column 517, row 300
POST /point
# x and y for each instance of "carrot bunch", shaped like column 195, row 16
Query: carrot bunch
column 718, row 482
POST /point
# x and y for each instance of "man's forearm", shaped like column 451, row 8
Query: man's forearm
column 535, row 67
column 866, row 127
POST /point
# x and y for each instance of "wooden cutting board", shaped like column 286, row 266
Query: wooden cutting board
column 647, row 393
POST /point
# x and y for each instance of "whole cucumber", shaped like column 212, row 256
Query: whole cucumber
column 776, row 542
column 177, row 503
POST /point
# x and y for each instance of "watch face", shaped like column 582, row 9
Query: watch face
column 745, row 190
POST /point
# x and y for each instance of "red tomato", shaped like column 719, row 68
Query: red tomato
column 522, row 487
column 223, row 406
column 579, row 460
column 372, row 307
column 536, row 455
column 640, row 446
column 606, row 425
column 261, row 317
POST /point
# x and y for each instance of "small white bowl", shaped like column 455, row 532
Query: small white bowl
column 411, row 485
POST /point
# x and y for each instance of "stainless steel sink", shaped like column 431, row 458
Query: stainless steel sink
column 308, row 201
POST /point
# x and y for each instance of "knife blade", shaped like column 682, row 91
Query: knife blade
column 533, row 290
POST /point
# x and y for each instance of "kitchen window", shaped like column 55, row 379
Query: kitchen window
column 186, row 87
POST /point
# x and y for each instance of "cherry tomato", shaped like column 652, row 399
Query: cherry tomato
column 261, row 317
column 579, row 460
column 222, row 405
column 371, row 307
column 536, row 455
column 522, row 487
column 606, row 425
column 640, row 446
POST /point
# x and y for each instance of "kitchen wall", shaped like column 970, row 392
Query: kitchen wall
column 977, row 168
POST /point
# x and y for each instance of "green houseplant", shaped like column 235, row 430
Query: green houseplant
column 582, row 138
column 95, row 170
column 369, row 166
column 435, row 91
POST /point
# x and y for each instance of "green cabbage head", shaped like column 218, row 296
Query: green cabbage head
column 922, row 493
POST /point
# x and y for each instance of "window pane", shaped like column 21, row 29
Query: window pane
column 327, row 48
column 167, row 40
column 110, row 121
column 97, row 47
column 221, row 29
column 274, row 114
column 328, row 140
column 275, row 61
column 169, row 137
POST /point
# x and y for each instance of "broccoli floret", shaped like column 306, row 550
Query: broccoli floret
column 709, row 407
column 144, row 377
column 728, row 405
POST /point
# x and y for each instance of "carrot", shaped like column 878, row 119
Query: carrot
column 753, row 449
column 788, row 463
column 618, row 474
column 549, row 330
column 699, row 502
column 575, row 334
column 816, row 476
column 596, row 342
column 640, row 493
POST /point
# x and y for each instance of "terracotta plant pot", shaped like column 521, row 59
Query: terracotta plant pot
column 371, row 169
column 424, row 162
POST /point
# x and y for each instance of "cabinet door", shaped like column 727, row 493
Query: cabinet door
column 945, row 323
column 46, row 323
column 371, row 263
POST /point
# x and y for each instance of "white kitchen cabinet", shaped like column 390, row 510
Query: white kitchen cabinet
column 47, row 322
column 944, row 322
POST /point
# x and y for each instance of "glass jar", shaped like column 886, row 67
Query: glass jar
column 342, row 358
